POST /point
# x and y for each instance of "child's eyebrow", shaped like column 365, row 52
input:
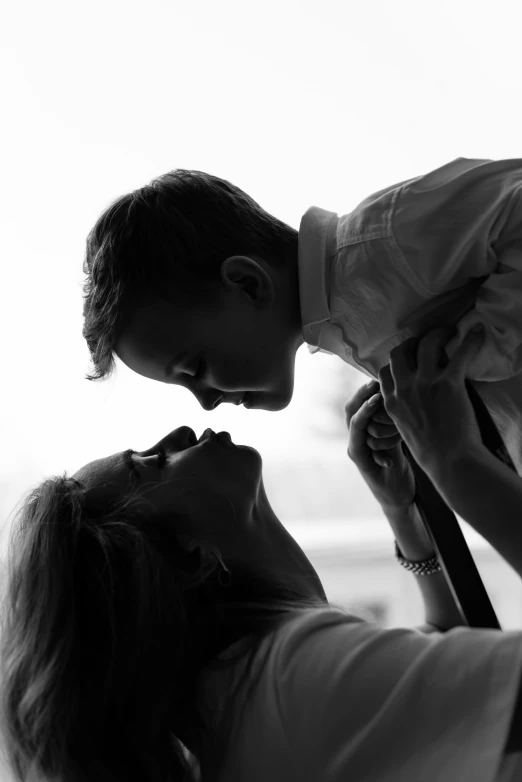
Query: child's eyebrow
column 176, row 360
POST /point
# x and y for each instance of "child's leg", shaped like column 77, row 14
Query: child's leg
column 503, row 399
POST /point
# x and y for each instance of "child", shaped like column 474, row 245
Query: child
column 190, row 282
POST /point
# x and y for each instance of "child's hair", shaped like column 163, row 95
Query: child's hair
column 107, row 621
column 170, row 236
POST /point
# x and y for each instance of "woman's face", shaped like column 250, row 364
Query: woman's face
column 212, row 480
column 213, row 489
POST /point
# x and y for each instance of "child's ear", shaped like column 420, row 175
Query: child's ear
column 248, row 276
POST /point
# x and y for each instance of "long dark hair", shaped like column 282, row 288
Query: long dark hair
column 107, row 622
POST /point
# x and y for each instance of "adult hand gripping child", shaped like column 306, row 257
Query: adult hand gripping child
column 434, row 416
column 375, row 446
column 425, row 395
column 374, row 440
column 433, row 408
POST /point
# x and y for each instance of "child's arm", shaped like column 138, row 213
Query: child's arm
column 459, row 223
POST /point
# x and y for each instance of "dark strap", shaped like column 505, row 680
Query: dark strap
column 489, row 432
column 442, row 525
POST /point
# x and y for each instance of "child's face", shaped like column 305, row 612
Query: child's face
column 241, row 352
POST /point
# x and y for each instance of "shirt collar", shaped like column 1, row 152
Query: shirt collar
column 316, row 248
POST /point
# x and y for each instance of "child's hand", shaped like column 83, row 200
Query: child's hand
column 373, row 438
column 425, row 394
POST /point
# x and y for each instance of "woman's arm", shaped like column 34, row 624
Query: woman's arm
column 485, row 493
column 374, row 440
column 440, row 609
column 427, row 399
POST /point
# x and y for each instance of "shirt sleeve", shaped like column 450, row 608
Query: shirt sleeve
column 461, row 222
column 366, row 703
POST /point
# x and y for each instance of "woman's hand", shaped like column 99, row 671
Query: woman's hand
column 373, row 441
column 425, row 395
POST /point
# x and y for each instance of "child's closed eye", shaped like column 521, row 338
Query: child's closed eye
column 200, row 369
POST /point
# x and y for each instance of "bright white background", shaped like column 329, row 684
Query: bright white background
column 299, row 103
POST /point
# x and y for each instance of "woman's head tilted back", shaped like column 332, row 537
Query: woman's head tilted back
column 114, row 606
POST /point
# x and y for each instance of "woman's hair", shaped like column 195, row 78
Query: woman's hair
column 170, row 237
column 107, row 622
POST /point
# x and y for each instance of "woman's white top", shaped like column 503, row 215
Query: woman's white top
column 342, row 699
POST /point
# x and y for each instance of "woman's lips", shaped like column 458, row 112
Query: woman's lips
column 208, row 434
column 220, row 437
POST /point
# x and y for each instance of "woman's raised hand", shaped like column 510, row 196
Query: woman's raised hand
column 375, row 441
column 425, row 395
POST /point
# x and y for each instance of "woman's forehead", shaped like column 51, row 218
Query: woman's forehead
column 97, row 472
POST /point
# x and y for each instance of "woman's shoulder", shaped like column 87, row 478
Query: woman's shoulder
column 290, row 631
column 311, row 623
column 309, row 620
column 318, row 647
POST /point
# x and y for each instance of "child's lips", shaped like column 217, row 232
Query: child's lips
column 240, row 399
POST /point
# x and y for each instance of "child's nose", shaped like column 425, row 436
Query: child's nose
column 209, row 400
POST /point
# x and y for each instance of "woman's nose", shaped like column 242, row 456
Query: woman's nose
column 179, row 439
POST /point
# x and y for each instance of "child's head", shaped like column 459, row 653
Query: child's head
column 190, row 281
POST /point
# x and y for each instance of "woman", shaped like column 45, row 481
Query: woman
column 156, row 603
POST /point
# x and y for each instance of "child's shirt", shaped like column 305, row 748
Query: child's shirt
column 443, row 248
column 340, row 698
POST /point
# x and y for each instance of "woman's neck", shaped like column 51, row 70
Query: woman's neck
column 279, row 551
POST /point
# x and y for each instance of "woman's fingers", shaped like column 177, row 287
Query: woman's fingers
column 378, row 429
column 382, row 434
column 382, row 443
column 380, row 424
column 403, row 361
column 382, row 417
column 358, row 449
column 386, row 381
column 359, row 420
column 363, row 394
column 371, row 429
